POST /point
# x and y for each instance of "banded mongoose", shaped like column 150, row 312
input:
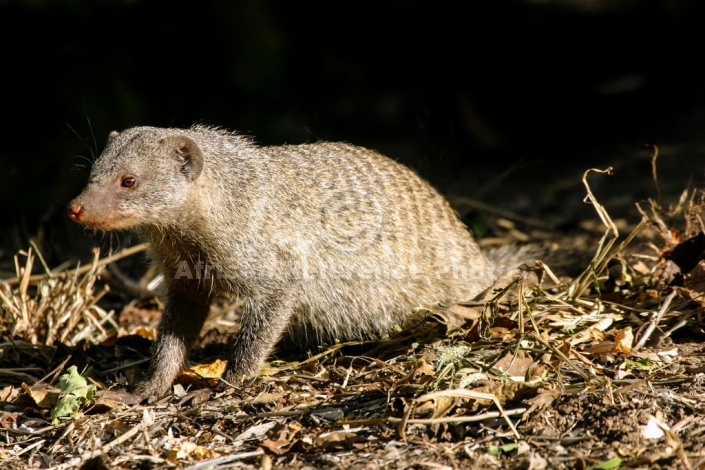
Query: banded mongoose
column 323, row 242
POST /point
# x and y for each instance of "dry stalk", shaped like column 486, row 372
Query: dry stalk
column 604, row 251
column 46, row 308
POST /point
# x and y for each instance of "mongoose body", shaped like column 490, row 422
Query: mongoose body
column 323, row 242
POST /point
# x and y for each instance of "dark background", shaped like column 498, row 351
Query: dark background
column 506, row 102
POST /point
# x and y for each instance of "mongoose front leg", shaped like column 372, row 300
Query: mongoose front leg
column 262, row 326
column 179, row 327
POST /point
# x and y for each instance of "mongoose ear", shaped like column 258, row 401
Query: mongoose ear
column 112, row 136
column 189, row 156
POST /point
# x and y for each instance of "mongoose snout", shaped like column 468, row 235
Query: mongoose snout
column 75, row 212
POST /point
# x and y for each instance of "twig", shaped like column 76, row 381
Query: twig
column 576, row 288
column 81, row 270
column 463, row 393
column 30, row 447
column 587, row 376
column 655, row 321
column 654, row 173
column 448, row 419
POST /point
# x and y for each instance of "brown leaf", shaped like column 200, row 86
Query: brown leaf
column 502, row 328
column 337, row 441
column 667, row 272
column 542, row 400
column 117, row 427
column 9, row 393
column 423, row 368
column 510, row 391
column 43, row 395
column 515, row 365
column 460, row 315
column 442, row 405
column 623, row 341
column 145, row 332
column 8, row 420
column 600, row 348
column 278, row 446
column 285, row 438
column 210, row 372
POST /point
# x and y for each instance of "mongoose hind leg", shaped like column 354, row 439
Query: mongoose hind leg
column 263, row 324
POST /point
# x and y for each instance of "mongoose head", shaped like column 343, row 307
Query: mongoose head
column 143, row 177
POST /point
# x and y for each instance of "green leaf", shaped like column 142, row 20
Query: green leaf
column 642, row 364
column 607, row 465
column 506, row 448
column 74, row 394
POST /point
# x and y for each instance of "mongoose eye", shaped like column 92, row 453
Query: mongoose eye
column 128, row 181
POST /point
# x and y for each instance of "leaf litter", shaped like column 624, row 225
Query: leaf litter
column 601, row 370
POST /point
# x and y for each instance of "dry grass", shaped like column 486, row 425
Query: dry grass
column 542, row 371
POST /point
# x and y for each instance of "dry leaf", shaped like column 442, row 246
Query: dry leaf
column 43, row 395
column 211, row 372
column 9, row 393
column 144, row 332
column 600, row 348
column 337, row 440
column 507, row 392
column 189, row 450
column 623, row 341
column 442, row 405
column 8, row 420
column 423, row 368
column 460, row 315
column 515, row 365
column 134, row 315
column 543, row 399
column 287, row 437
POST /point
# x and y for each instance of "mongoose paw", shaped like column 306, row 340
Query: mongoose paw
column 233, row 381
column 121, row 395
column 148, row 391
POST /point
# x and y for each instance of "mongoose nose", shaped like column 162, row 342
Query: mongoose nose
column 75, row 211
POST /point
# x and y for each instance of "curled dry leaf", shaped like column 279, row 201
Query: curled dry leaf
column 146, row 332
column 8, row 420
column 460, row 315
column 43, row 395
column 423, row 368
column 623, row 341
column 285, row 437
column 210, row 372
